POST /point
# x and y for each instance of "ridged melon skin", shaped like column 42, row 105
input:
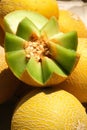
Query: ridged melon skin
column 76, row 83
column 49, row 109
column 69, row 20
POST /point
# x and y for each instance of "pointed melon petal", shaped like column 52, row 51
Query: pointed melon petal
column 18, row 15
column 13, row 43
column 55, row 79
column 34, row 70
column 26, row 29
column 49, row 67
column 68, row 40
column 16, row 62
column 65, row 57
column 50, row 28
column 26, row 78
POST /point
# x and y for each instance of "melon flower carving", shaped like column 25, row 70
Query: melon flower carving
column 41, row 56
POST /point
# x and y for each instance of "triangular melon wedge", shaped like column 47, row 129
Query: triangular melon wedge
column 50, row 28
column 16, row 61
column 12, row 19
column 65, row 57
column 26, row 29
column 34, row 71
column 13, row 42
column 49, row 68
column 68, row 40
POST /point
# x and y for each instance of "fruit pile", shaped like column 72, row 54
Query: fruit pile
column 44, row 62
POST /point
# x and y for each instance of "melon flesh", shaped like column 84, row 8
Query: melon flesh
column 32, row 53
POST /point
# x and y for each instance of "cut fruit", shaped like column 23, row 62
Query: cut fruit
column 16, row 61
column 66, row 40
column 76, row 84
column 36, row 57
column 50, row 70
column 50, row 24
column 47, row 8
column 33, row 72
column 62, row 55
column 38, row 20
column 26, row 28
column 13, row 43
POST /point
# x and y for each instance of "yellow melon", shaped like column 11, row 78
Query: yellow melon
column 77, row 81
column 47, row 8
column 49, row 109
column 8, row 82
column 69, row 21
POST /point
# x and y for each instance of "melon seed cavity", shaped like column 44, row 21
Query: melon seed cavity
column 37, row 49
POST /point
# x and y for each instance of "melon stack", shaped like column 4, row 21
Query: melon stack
column 45, row 62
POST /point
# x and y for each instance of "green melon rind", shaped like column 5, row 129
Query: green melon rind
column 16, row 61
column 26, row 29
column 41, row 72
column 37, row 71
column 34, row 73
column 49, row 67
column 34, row 69
column 65, row 57
column 12, row 20
column 68, row 40
column 50, row 28
column 13, row 42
